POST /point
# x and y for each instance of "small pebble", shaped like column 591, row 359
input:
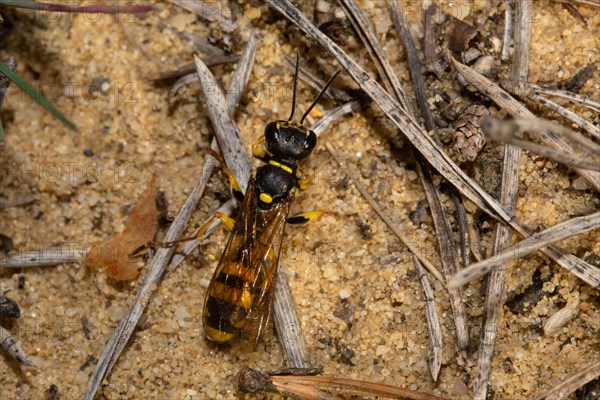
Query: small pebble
column 344, row 293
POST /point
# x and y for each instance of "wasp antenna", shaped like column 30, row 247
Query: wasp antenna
column 295, row 86
column 314, row 103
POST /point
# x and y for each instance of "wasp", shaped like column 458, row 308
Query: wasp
column 240, row 294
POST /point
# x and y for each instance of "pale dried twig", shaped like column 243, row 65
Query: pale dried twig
column 508, row 198
column 316, row 387
column 10, row 344
column 508, row 30
column 572, row 383
column 576, row 119
column 369, row 38
column 523, row 13
column 575, row 97
column 44, row 258
column 433, row 322
column 572, row 227
column 507, row 132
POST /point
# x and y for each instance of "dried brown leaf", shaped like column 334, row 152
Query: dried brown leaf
column 141, row 227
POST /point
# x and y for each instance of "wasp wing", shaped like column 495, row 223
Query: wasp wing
column 239, row 296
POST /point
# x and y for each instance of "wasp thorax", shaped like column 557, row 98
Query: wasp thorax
column 289, row 140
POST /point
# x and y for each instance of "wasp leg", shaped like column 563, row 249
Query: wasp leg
column 301, row 219
column 226, row 219
column 258, row 150
column 228, row 222
column 303, row 180
column 235, row 188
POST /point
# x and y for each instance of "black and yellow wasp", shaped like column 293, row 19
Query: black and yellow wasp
column 240, row 294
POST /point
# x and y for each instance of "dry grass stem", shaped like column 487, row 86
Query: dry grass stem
column 307, row 386
column 9, row 343
column 242, row 75
column 448, row 252
column 591, row 3
column 509, row 132
column 522, row 42
column 334, row 116
column 574, row 97
column 508, row 127
column 226, row 131
column 433, row 322
column 508, row 30
column 190, row 68
column 44, row 258
column 572, row 227
column 508, row 198
column 350, row 386
column 570, row 115
column 287, row 324
column 414, row 65
column 572, row 383
column 368, row 36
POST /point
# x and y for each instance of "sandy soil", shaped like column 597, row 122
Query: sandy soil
column 357, row 294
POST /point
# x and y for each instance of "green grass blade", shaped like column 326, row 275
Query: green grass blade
column 41, row 100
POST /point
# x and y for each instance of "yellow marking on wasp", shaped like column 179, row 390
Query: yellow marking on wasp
column 232, row 182
column 265, row 198
column 257, row 150
column 240, row 297
column 312, row 214
column 304, row 182
column 227, row 220
column 315, row 112
column 245, row 274
column 217, row 335
column 278, row 126
column 280, row 165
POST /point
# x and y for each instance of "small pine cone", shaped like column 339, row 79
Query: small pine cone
column 468, row 139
